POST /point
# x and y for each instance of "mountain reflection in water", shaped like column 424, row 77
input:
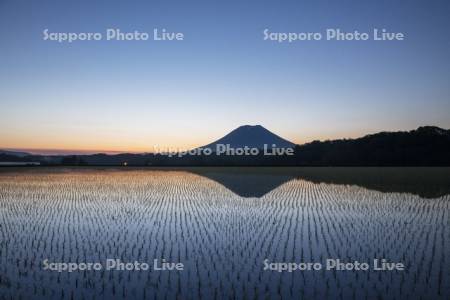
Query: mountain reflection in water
column 426, row 182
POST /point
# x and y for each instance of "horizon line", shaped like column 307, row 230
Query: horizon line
column 62, row 151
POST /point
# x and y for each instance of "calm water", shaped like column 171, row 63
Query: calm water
column 222, row 224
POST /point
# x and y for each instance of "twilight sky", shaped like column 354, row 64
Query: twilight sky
column 134, row 95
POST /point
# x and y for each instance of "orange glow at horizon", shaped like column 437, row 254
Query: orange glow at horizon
column 92, row 144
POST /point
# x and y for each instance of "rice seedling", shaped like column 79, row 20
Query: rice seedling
column 90, row 215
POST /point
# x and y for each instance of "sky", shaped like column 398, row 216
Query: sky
column 136, row 96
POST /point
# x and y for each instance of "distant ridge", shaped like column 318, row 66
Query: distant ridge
column 253, row 136
column 424, row 146
column 15, row 153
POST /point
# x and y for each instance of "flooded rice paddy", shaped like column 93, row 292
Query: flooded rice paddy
column 221, row 224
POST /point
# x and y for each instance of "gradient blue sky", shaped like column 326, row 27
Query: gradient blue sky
column 104, row 95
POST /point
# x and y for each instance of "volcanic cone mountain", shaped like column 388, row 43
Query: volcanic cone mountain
column 251, row 136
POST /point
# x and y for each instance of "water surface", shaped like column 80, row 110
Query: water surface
column 222, row 223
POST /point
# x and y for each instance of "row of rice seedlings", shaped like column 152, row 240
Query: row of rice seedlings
column 221, row 238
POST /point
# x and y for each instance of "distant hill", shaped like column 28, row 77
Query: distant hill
column 425, row 146
column 15, row 153
column 251, row 136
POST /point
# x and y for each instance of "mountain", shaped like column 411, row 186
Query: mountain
column 424, row 146
column 251, row 136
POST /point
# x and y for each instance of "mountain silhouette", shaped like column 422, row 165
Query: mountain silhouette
column 255, row 136
column 15, row 153
column 424, row 146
